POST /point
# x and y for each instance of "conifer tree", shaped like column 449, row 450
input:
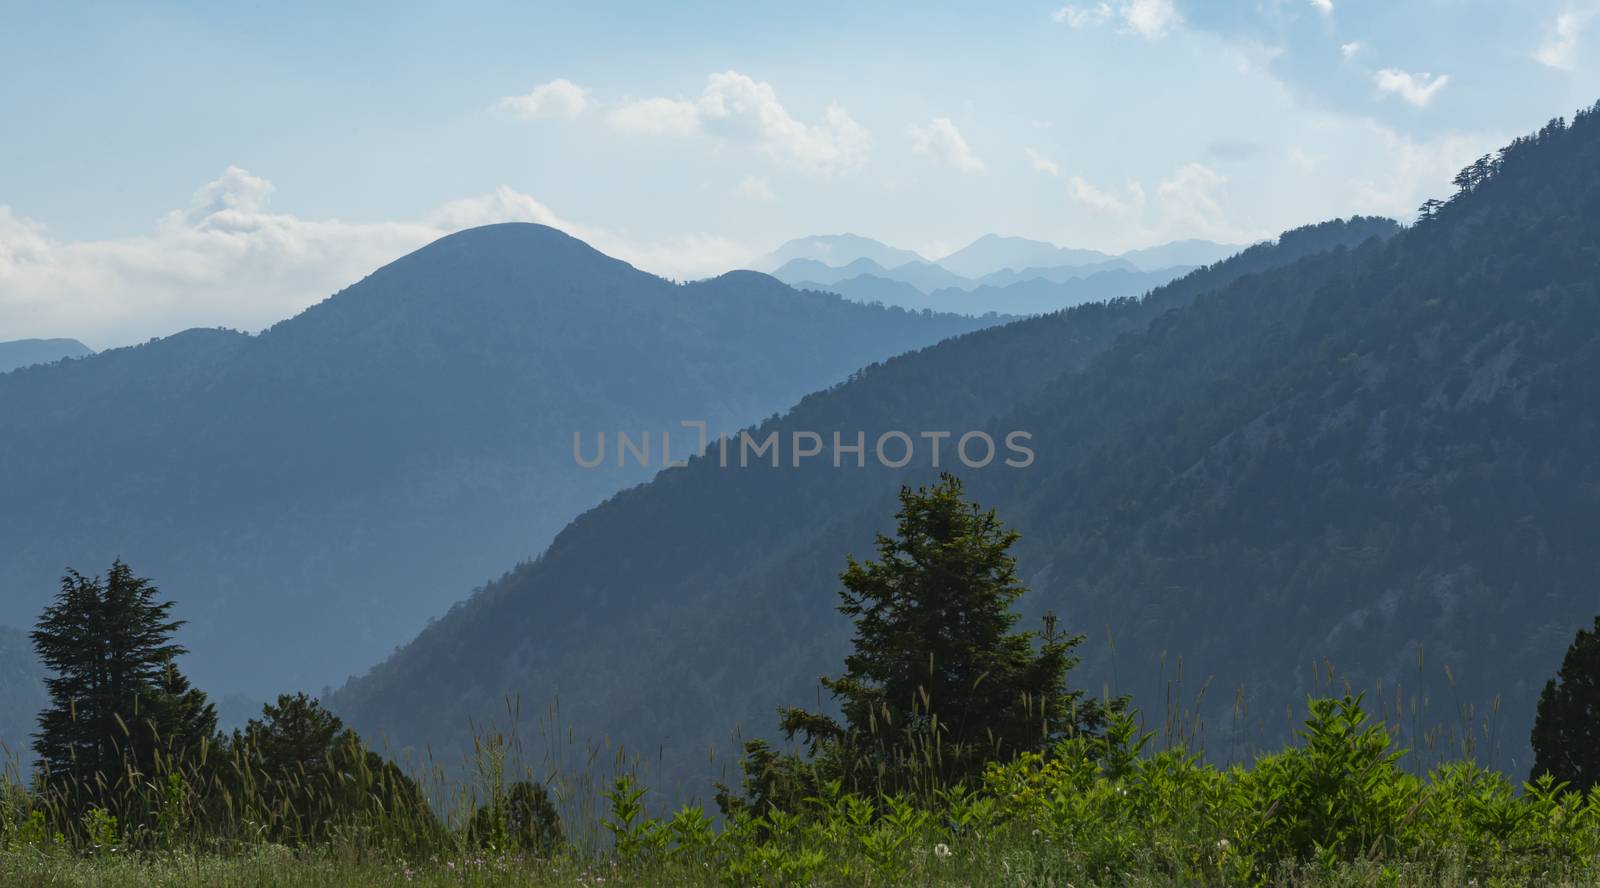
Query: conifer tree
column 939, row 683
column 1566, row 729
column 116, row 696
column 181, row 716
column 311, row 774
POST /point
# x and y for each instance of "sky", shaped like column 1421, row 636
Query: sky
column 182, row 165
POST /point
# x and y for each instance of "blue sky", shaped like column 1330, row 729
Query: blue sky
column 215, row 164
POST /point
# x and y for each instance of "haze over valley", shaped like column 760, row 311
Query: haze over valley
column 1126, row 443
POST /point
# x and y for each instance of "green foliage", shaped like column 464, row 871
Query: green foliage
column 1566, row 730
column 632, row 831
column 522, row 818
column 130, row 756
column 1337, row 798
column 305, row 777
column 100, row 831
column 1337, row 808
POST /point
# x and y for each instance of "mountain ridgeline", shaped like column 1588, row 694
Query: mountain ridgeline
column 311, row 494
column 1034, row 295
column 680, row 609
column 28, row 352
column 1003, row 275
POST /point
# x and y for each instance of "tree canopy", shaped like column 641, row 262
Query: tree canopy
column 118, row 703
column 1566, row 728
column 939, row 683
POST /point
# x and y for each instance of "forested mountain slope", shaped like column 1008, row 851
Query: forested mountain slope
column 311, row 495
column 704, row 599
column 22, row 695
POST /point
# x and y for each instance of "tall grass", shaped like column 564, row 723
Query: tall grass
column 1137, row 805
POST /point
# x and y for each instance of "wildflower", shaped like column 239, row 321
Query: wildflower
column 941, row 851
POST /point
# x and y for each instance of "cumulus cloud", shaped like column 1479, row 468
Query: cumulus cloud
column 1187, row 203
column 1147, row 18
column 234, row 194
column 944, row 143
column 1323, row 6
column 1151, row 18
column 1080, row 190
column 1414, row 89
column 558, row 98
column 1189, row 199
column 1041, row 164
column 1560, row 47
column 1350, row 50
column 225, row 260
column 755, row 188
column 736, row 107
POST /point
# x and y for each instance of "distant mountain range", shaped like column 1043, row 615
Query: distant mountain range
column 835, row 249
column 666, row 634
column 27, row 352
column 310, row 495
column 993, row 252
column 1037, row 295
column 984, row 256
column 978, row 278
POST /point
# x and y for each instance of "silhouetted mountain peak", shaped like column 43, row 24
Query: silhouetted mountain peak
column 477, row 281
column 27, row 352
column 524, row 248
column 835, row 250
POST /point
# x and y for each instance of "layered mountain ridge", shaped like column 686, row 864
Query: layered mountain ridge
column 310, row 495
column 664, row 633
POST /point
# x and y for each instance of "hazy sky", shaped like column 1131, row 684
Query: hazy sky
column 199, row 165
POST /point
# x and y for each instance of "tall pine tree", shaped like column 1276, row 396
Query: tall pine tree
column 939, row 683
column 1566, row 728
column 118, row 704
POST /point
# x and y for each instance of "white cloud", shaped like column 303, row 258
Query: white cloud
column 657, row 117
column 226, row 261
column 234, row 192
column 1151, row 18
column 1412, row 170
column 1415, row 89
column 1083, row 16
column 558, row 98
column 1083, row 192
column 1323, row 6
column 1251, row 56
column 1040, row 163
column 944, row 143
column 755, row 188
column 734, row 106
column 1560, row 48
column 1189, row 201
column 1147, row 18
column 1350, row 50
